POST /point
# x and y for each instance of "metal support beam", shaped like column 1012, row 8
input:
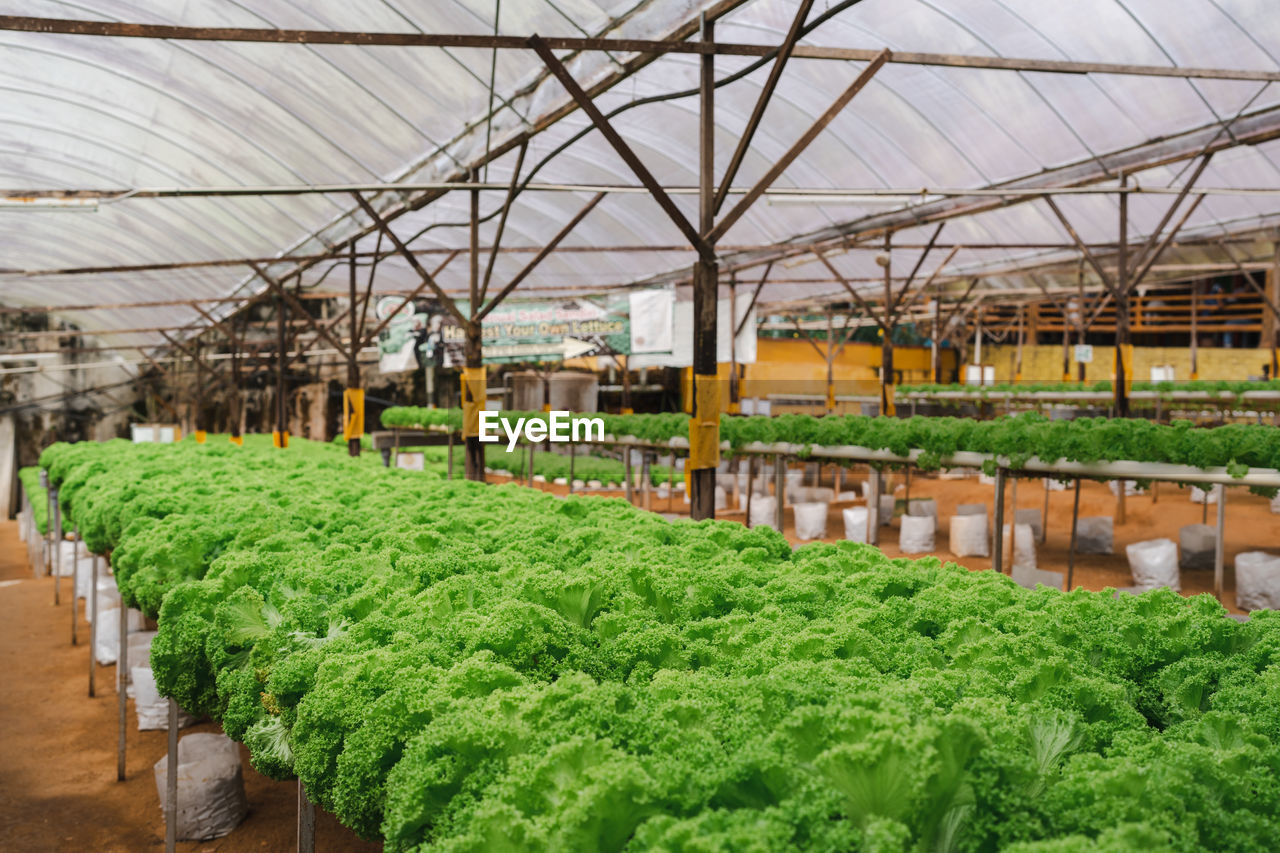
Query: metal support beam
column 427, row 279
column 706, row 288
column 619, row 145
column 537, row 259
column 762, row 101
column 610, row 45
column 282, row 365
column 512, row 191
column 473, row 345
column 1123, row 348
column 353, row 366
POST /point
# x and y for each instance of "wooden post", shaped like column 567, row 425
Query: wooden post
column 886, row 347
column 171, row 783
column 93, row 626
column 473, row 345
column 935, row 351
column 1123, row 347
column 1220, row 544
column 572, row 456
column 734, row 391
column 75, row 582
column 873, row 507
column 237, row 406
column 671, row 484
column 56, row 558
column 646, row 477
column 997, row 552
column 282, row 423
column 1017, row 367
column 831, row 357
column 1044, row 516
column 780, row 490
column 628, row 487
column 306, row 821
column 706, row 281
column 353, row 347
column 1273, row 286
column 122, row 680
column 1071, row 549
column 1013, row 520
column 1081, row 325
column 1066, row 346
column 1195, row 332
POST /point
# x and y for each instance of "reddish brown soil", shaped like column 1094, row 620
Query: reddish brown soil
column 58, row 788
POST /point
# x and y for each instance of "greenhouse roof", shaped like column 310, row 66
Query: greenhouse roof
column 127, row 115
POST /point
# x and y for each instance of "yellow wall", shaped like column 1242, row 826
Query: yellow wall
column 791, row 366
column 1044, row 363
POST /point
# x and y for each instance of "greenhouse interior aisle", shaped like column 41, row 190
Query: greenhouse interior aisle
column 58, row 788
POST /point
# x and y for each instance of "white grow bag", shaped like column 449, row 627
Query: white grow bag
column 855, row 523
column 811, row 520
column 211, row 800
column 1154, row 563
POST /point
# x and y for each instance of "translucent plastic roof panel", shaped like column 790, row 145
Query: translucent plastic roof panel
column 109, row 113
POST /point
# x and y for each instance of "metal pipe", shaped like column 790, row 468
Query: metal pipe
column 118, row 29
column 572, row 456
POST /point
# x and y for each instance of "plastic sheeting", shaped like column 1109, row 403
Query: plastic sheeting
column 119, row 113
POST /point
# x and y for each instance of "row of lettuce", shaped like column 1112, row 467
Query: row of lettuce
column 551, row 466
column 450, row 666
column 1234, row 387
column 38, row 498
column 1236, row 447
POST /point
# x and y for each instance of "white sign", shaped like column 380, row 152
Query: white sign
column 1084, row 353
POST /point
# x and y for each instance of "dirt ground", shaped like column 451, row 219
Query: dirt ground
column 58, row 788
column 57, row 746
column 1250, row 524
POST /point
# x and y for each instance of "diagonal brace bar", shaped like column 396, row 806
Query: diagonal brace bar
column 753, row 194
column 427, row 279
column 757, row 113
column 703, row 246
column 538, row 258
